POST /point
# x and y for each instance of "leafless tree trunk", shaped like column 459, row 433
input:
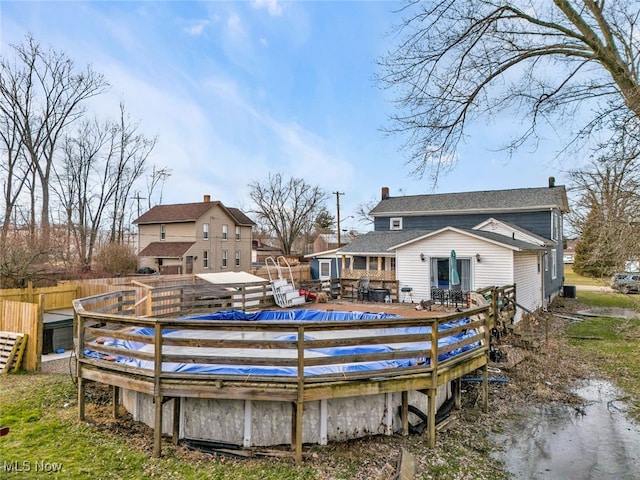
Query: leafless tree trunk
column 42, row 93
column 133, row 150
column 15, row 169
column 540, row 61
column 288, row 207
column 85, row 186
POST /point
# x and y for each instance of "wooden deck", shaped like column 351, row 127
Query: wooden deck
column 211, row 342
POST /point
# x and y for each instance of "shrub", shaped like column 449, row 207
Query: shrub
column 116, row 259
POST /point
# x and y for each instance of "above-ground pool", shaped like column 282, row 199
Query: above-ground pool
column 335, row 344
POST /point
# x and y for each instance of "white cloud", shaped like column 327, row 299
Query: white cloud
column 197, row 27
column 273, row 6
column 234, row 25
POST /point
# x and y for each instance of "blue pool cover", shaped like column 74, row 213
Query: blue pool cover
column 298, row 316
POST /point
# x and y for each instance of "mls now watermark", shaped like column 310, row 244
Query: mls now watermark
column 37, row 466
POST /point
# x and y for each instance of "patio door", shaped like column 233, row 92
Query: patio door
column 440, row 273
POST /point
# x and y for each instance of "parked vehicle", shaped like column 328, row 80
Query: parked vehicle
column 626, row 282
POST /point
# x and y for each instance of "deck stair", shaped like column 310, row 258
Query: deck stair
column 285, row 293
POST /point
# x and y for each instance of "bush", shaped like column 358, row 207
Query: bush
column 116, row 259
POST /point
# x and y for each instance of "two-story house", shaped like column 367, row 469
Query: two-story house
column 192, row 238
column 499, row 237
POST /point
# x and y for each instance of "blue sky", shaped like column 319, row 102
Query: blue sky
column 236, row 90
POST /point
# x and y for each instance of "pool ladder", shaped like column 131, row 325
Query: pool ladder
column 285, row 294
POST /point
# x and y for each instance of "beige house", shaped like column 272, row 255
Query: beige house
column 204, row 237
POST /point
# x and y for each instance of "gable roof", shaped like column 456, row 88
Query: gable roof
column 517, row 199
column 527, row 233
column 386, row 242
column 240, row 217
column 166, row 249
column 188, row 212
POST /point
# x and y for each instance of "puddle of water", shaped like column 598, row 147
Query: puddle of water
column 594, row 441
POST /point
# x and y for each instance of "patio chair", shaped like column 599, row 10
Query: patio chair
column 363, row 289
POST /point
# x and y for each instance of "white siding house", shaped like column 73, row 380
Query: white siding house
column 484, row 259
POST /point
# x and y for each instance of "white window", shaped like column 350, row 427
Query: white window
column 237, row 233
column 163, row 233
column 554, row 264
column 225, row 257
column 225, row 231
column 237, row 258
column 395, row 223
column 554, row 225
column 205, row 230
column 205, row 259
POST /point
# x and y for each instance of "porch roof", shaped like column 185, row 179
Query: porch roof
column 166, row 249
column 380, row 243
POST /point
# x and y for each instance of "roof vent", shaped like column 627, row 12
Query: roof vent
column 385, row 193
column 552, row 182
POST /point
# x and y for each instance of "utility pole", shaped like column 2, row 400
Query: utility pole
column 337, row 194
column 138, row 198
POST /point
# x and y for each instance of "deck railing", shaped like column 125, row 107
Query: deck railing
column 287, row 346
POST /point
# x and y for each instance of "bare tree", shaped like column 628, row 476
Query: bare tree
column 288, row 207
column 461, row 60
column 16, row 171
column 132, row 151
column 41, row 92
column 85, row 185
column 607, row 204
column 156, row 180
column 101, row 164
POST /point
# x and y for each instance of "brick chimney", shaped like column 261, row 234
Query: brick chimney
column 552, row 182
column 207, row 198
column 385, row 193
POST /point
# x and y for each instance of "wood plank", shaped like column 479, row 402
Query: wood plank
column 11, row 345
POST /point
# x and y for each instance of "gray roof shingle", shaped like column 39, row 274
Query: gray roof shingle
column 517, row 199
column 188, row 212
column 378, row 243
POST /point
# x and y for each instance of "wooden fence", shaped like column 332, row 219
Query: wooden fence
column 22, row 311
column 24, row 317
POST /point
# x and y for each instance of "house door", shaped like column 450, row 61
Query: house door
column 324, row 269
column 189, row 265
column 440, row 272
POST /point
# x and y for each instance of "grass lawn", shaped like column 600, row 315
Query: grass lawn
column 611, row 344
column 46, row 439
column 572, row 278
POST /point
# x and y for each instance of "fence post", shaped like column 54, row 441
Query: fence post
column 39, row 332
column 157, row 390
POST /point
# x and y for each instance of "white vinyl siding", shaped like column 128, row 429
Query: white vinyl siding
column 495, row 266
column 528, row 282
